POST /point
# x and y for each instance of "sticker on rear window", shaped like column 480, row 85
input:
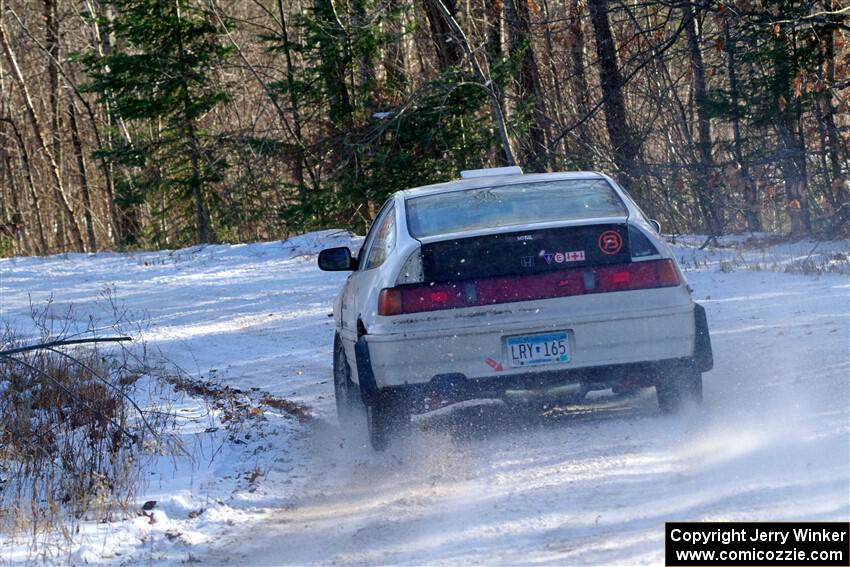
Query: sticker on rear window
column 563, row 257
column 610, row 242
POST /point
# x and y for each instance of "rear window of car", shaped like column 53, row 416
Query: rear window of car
column 512, row 205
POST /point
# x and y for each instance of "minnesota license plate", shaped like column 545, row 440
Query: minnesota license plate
column 534, row 350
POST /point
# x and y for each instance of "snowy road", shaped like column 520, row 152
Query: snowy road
column 595, row 486
column 580, row 485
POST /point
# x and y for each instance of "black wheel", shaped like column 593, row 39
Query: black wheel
column 349, row 404
column 681, row 385
column 385, row 418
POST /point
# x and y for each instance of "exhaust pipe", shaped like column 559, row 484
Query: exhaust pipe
column 576, row 392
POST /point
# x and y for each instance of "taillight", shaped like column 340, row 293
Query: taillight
column 507, row 289
column 620, row 277
column 667, row 274
column 439, row 296
column 637, row 275
column 389, row 302
column 433, row 297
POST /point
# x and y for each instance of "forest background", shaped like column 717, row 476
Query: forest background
column 162, row 123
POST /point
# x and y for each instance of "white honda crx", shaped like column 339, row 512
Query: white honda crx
column 502, row 282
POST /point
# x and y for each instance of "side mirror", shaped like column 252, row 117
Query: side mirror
column 336, row 260
column 655, row 224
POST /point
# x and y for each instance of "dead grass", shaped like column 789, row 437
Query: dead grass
column 234, row 402
column 73, row 442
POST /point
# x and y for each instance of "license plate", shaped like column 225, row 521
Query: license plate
column 533, row 350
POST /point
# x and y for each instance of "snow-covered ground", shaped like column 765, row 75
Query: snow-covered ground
column 590, row 484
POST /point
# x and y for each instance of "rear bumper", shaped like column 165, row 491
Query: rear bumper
column 457, row 387
column 601, row 350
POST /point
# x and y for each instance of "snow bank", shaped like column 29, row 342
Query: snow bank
column 761, row 252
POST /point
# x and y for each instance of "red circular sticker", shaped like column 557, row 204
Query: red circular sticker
column 610, row 242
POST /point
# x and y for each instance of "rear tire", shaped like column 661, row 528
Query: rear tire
column 349, row 403
column 683, row 385
column 384, row 418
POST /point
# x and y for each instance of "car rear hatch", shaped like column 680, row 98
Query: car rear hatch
column 530, row 264
column 525, row 252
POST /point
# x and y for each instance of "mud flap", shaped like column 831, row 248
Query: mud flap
column 703, row 356
column 365, row 375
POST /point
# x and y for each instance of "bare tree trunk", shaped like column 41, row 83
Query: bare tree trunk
column 494, row 29
column 196, row 182
column 583, row 157
column 11, row 218
column 61, row 195
column 493, row 14
column 82, row 174
column 528, row 89
column 623, row 145
column 838, row 180
column 448, row 51
column 294, row 108
column 394, row 60
column 794, row 180
column 104, row 45
column 802, row 165
column 792, row 160
column 705, row 191
column 51, row 42
column 558, row 110
column 367, row 74
column 752, row 208
column 26, row 169
column 123, row 220
column 201, row 217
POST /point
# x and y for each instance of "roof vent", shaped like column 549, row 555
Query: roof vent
column 490, row 172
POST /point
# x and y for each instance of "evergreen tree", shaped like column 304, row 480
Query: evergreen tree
column 381, row 144
column 161, row 81
column 427, row 143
